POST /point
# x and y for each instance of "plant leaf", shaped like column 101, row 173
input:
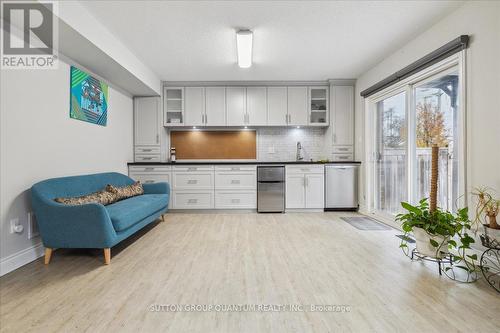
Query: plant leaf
column 473, row 256
column 411, row 208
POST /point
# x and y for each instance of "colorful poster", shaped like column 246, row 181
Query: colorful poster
column 89, row 98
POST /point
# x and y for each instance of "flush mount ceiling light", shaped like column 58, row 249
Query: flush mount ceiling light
column 244, row 41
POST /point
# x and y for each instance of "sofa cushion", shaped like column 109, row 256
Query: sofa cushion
column 128, row 212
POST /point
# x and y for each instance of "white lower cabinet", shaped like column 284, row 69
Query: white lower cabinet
column 295, row 194
column 231, row 186
column 152, row 174
column 193, row 187
column 305, row 186
column 236, row 187
column 193, row 200
column 314, row 191
column 235, row 199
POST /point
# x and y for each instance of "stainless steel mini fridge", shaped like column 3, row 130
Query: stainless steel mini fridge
column 271, row 189
column 341, row 186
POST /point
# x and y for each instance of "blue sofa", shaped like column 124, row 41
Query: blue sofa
column 93, row 225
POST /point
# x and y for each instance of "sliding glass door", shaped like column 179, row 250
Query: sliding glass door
column 406, row 123
column 391, row 160
column 436, row 106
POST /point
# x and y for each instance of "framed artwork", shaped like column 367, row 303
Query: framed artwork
column 89, row 98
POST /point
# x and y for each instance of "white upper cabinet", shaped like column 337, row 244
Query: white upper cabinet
column 297, row 106
column 277, row 106
column 215, row 110
column 173, row 104
column 236, row 106
column 256, row 106
column 342, row 101
column 194, row 106
column 147, row 121
column 318, row 106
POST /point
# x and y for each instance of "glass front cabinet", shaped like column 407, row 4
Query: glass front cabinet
column 173, row 105
column 318, row 106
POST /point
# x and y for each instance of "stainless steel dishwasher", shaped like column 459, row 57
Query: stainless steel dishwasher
column 341, row 186
column 270, row 188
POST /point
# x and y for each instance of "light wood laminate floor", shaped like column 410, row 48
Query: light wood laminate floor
column 245, row 258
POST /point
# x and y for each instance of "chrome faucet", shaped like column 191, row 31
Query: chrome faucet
column 299, row 156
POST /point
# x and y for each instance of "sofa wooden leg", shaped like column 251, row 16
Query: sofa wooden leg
column 107, row 256
column 48, row 255
column 163, row 217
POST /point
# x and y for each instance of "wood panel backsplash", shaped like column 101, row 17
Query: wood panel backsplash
column 200, row 145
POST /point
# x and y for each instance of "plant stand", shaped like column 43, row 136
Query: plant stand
column 490, row 262
column 447, row 259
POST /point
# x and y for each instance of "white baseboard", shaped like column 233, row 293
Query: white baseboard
column 21, row 258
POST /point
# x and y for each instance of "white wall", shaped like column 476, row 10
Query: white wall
column 39, row 140
column 480, row 20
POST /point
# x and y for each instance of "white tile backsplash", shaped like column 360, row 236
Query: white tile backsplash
column 280, row 144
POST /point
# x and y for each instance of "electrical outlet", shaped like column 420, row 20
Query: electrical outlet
column 32, row 226
column 15, row 226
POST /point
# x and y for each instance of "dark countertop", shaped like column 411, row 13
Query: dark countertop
column 239, row 162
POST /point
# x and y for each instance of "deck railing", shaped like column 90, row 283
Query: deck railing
column 392, row 178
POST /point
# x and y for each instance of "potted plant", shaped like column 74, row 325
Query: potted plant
column 437, row 231
column 487, row 209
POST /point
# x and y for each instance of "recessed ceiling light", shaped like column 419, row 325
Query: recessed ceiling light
column 244, row 41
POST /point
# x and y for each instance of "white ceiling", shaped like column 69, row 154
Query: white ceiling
column 293, row 40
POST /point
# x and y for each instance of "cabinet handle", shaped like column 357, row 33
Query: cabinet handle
column 157, row 138
column 192, row 201
column 235, row 169
column 192, row 181
column 149, row 169
column 289, row 118
column 147, row 158
column 149, row 181
column 206, row 119
column 342, row 149
column 334, row 137
column 146, row 150
column 235, row 200
column 191, row 169
column 235, row 181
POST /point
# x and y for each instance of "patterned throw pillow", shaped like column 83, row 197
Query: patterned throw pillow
column 124, row 192
column 103, row 197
